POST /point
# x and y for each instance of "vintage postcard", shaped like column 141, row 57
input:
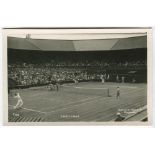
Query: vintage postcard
column 77, row 76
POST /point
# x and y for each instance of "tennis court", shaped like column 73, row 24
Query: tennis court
column 84, row 102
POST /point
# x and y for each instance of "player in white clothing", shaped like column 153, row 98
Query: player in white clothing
column 102, row 79
column 19, row 102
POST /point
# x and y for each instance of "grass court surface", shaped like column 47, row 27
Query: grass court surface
column 85, row 102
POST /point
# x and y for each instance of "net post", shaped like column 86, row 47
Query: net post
column 108, row 93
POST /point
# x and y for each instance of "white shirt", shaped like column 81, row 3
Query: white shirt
column 18, row 96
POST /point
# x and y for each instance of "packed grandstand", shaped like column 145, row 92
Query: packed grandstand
column 31, row 67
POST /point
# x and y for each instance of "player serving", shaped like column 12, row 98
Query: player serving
column 19, row 102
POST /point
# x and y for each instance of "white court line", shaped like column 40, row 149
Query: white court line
column 89, row 88
column 133, row 87
column 30, row 109
column 84, row 87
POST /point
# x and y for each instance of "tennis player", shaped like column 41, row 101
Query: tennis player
column 118, row 93
column 19, row 102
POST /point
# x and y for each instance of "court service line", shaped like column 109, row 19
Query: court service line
column 85, row 87
column 133, row 87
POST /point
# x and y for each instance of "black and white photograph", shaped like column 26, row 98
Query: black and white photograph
column 77, row 76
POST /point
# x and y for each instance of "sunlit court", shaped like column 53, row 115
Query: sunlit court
column 86, row 101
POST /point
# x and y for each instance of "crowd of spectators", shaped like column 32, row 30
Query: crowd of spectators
column 83, row 64
column 43, row 73
column 35, row 75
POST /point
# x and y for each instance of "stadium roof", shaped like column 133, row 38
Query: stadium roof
column 77, row 45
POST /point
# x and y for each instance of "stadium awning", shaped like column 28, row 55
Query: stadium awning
column 77, row 45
